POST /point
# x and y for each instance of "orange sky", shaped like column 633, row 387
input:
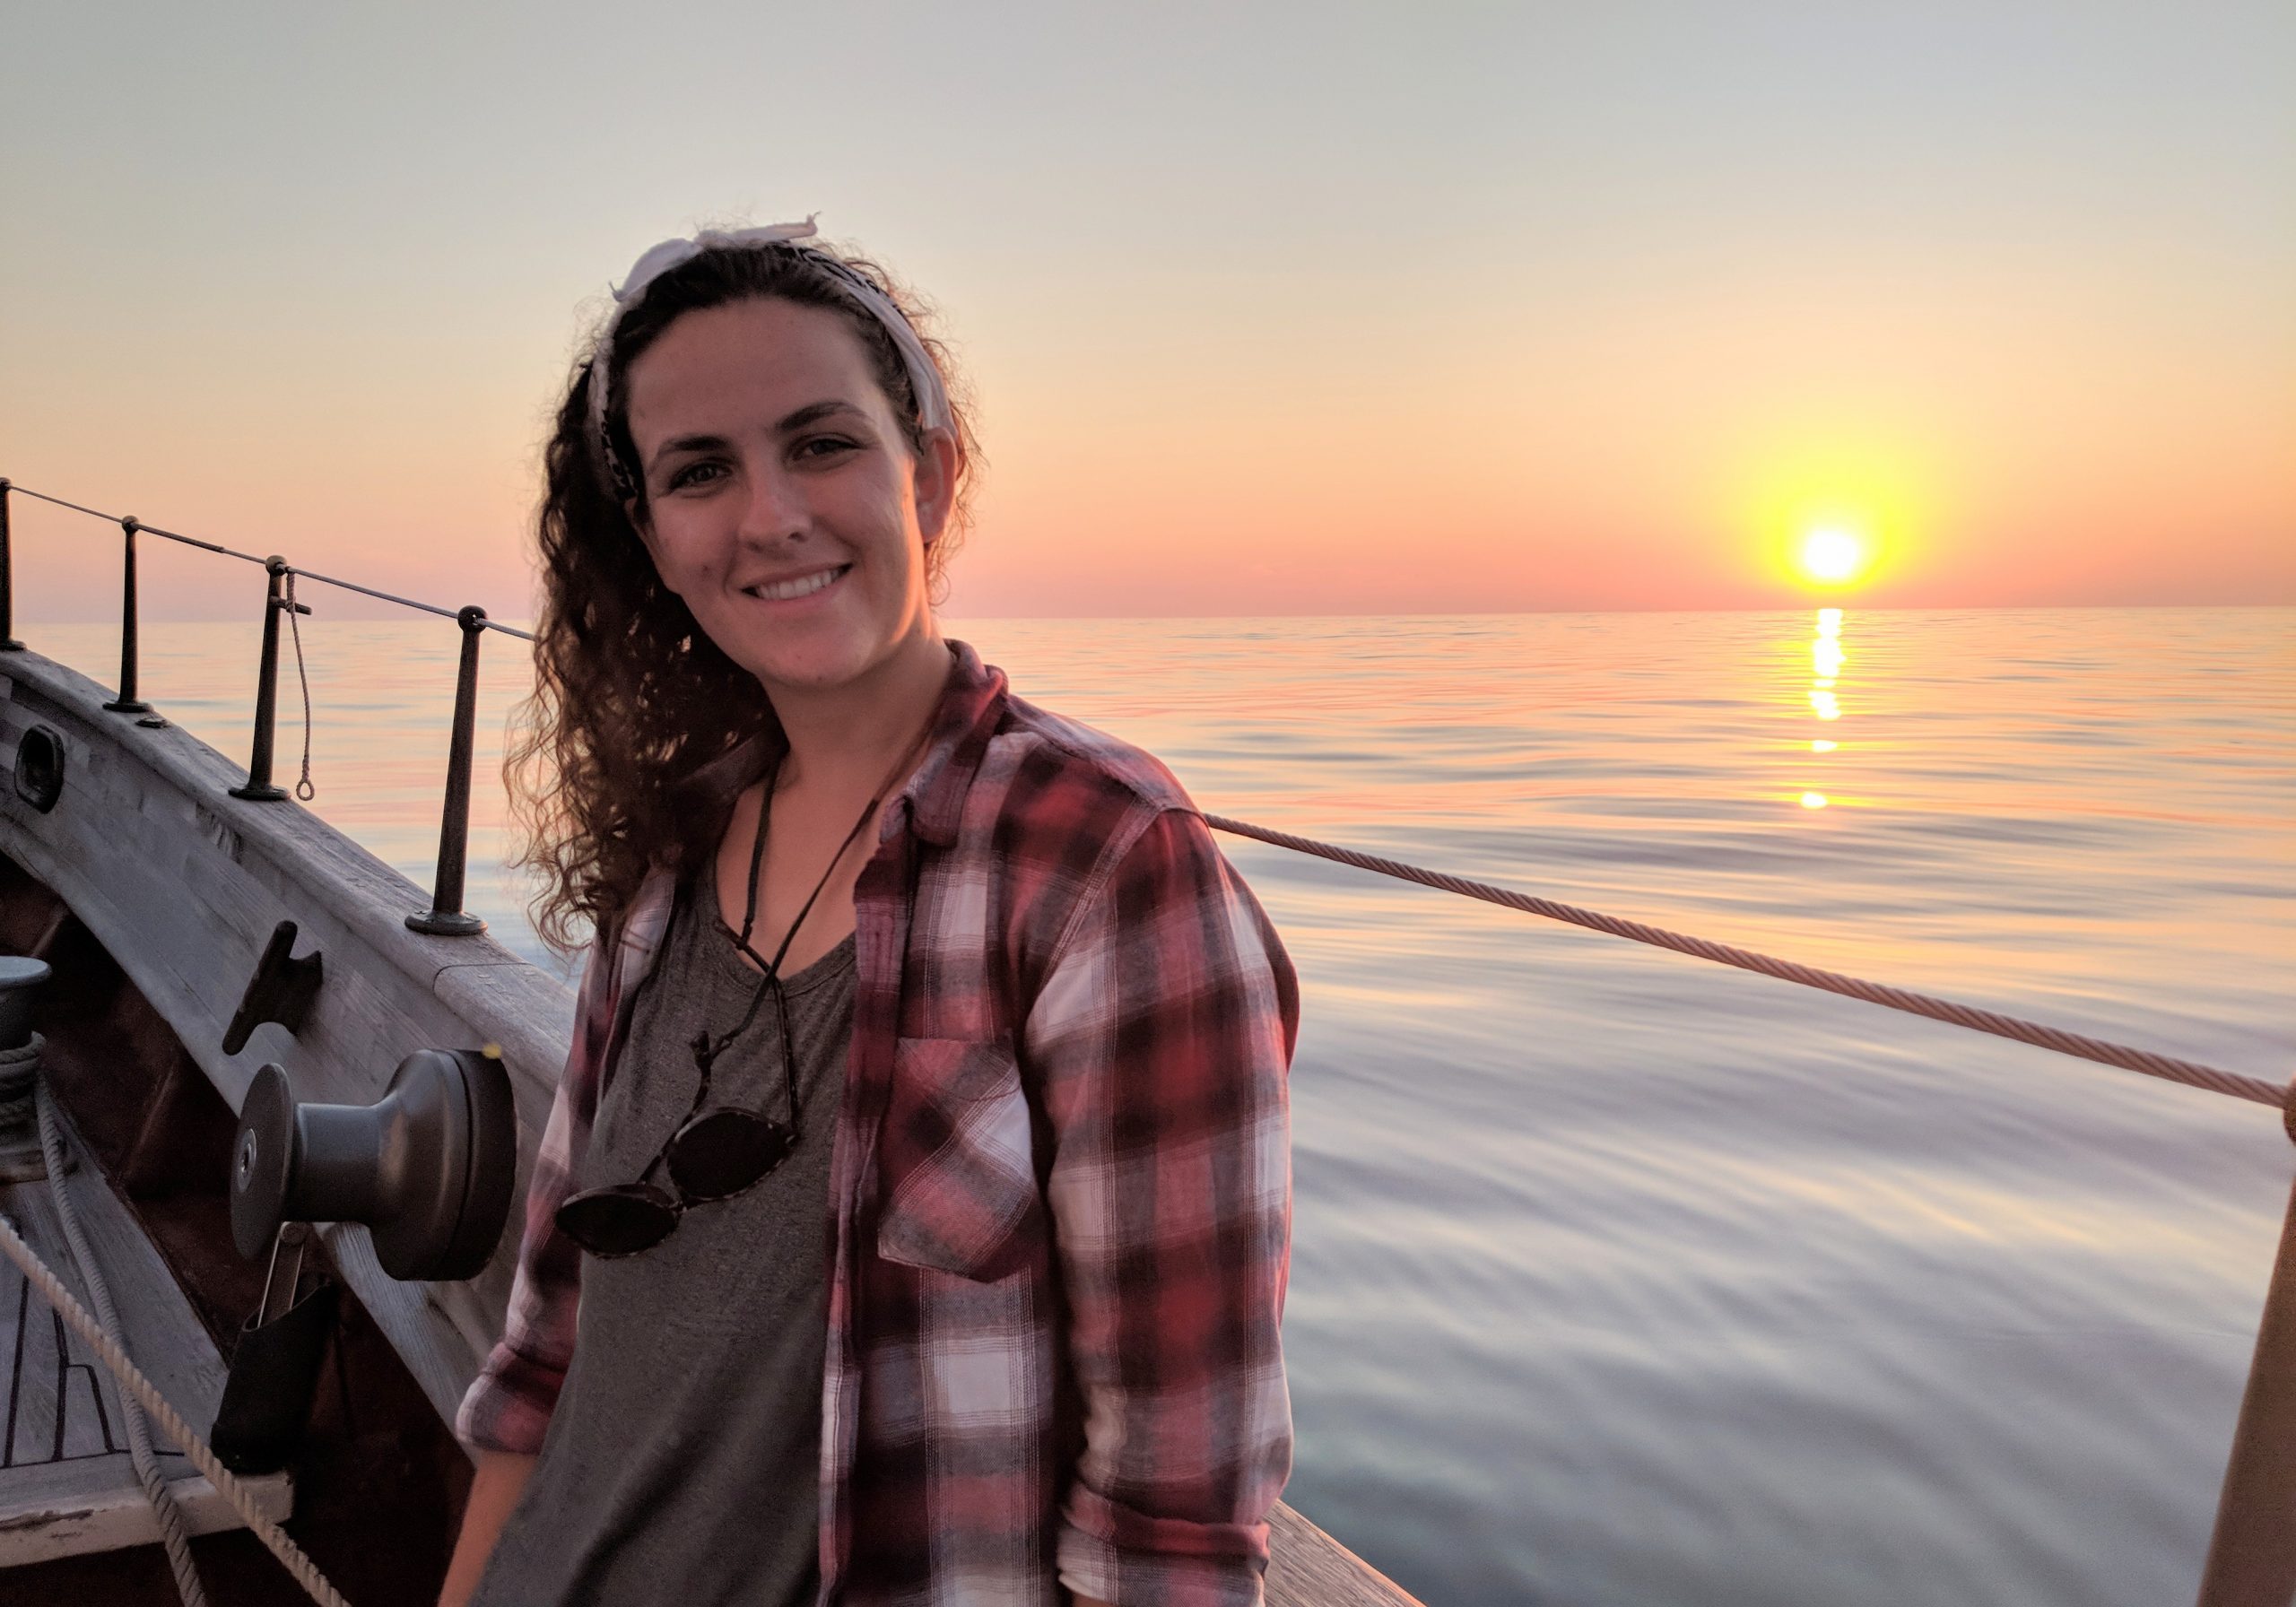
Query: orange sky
column 1471, row 316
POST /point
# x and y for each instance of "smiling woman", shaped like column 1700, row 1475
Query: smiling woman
column 933, row 1245
column 781, row 502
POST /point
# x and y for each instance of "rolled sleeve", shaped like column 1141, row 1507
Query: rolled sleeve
column 509, row 1405
column 1163, row 1036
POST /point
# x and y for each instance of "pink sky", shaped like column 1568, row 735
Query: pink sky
column 1403, row 319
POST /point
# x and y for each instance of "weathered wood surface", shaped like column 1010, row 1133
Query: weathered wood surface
column 183, row 884
column 1307, row 1568
column 68, row 1485
column 96, row 1505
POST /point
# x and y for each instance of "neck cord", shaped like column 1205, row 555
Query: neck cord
column 757, row 863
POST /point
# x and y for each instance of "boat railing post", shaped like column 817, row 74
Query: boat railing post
column 2252, row 1555
column 259, row 788
column 446, row 917
column 8, row 642
column 128, row 702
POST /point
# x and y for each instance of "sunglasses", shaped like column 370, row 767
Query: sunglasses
column 714, row 1153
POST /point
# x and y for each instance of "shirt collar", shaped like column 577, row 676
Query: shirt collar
column 972, row 704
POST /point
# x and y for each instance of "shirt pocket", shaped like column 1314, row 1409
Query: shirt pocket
column 954, row 1157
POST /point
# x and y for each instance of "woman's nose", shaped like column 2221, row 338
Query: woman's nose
column 774, row 508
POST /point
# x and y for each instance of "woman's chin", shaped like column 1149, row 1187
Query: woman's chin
column 812, row 668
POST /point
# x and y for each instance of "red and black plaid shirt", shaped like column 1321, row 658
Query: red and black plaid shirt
column 1060, row 1192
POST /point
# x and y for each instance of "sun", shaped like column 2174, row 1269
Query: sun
column 1834, row 554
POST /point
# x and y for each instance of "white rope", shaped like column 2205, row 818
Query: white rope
column 291, row 1556
column 303, row 788
column 173, row 1533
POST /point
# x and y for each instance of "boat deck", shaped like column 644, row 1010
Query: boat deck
column 67, row 1483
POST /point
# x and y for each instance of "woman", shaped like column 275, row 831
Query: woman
column 911, row 1226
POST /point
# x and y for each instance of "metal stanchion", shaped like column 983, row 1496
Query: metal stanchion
column 128, row 702
column 259, row 788
column 446, row 917
column 8, row 642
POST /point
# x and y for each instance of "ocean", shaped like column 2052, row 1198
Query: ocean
column 1622, row 1278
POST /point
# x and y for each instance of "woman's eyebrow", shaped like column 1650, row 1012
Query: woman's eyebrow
column 813, row 412
column 688, row 443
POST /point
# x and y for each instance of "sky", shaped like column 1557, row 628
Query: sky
column 1305, row 309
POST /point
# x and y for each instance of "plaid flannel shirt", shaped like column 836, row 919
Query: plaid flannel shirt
column 1060, row 1191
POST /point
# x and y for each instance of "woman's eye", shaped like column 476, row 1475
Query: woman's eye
column 823, row 445
column 693, row 473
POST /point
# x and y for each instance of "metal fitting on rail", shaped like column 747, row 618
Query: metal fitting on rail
column 446, row 917
column 259, row 787
column 128, row 702
column 8, row 642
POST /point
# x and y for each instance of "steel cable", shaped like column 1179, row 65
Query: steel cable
column 193, row 540
column 2187, row 1072
column 2192, row 1073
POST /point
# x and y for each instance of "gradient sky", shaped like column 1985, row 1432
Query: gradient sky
column 1285, row 310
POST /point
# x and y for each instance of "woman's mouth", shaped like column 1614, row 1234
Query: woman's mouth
column 797, row 585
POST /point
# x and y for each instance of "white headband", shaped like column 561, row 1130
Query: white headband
column 924, row 378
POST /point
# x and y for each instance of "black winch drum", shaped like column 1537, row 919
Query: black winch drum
column 19, row 983
column 429, row 1168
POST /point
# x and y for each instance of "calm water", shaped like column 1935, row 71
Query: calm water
column 1620, row 1278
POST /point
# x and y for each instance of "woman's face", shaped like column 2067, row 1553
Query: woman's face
column 784, row 504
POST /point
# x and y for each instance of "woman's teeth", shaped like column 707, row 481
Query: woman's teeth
column 805, row 586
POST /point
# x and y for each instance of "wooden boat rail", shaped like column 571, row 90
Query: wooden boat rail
column 2252, row 1554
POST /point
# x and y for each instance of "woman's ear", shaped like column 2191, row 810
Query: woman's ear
column 939, row 466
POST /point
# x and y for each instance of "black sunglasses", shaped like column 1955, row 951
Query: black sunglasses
column 712, row 1154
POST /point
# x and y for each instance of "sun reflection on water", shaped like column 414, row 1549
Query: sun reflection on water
column 1826, row 661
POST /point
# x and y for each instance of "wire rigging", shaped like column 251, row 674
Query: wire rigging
column 2191, row 1072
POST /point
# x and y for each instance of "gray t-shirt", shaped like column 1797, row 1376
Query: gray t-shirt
column 683, row 1460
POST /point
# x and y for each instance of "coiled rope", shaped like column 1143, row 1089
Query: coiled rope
column 99, row 1334
column 2191, row 1072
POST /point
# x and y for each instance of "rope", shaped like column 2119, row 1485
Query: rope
column 291, row 1556
column 19, row 1069
column 303, row 788
column 2187, row 1072
column 173, row 1533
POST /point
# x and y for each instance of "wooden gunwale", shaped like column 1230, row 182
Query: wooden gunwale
column 183, row 885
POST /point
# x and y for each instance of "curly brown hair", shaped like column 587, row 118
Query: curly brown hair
column 631, row 696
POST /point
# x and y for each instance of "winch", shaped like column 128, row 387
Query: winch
column 429, row 1168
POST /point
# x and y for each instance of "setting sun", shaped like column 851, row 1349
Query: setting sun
column 1834, row 555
